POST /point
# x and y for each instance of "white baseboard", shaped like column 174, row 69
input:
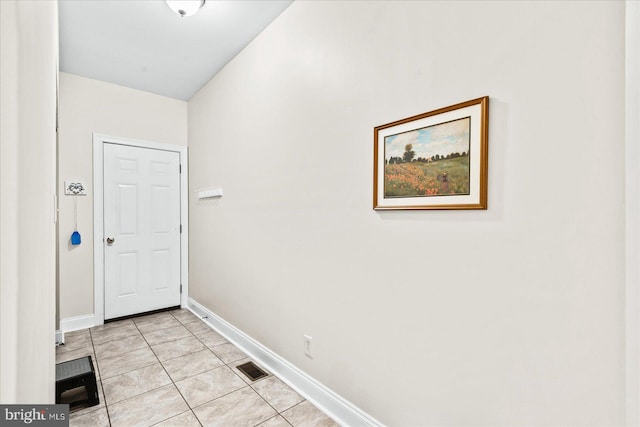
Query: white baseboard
column 76, row 323
column 59, row 337
column 335, row 406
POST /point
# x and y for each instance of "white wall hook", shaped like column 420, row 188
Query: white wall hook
column 209, row 193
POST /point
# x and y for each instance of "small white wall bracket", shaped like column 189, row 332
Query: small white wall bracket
column 208, row 193
column 75, row 188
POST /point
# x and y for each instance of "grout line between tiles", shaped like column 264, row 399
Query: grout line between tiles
column 135, row 395
column 193, row 375
column 185, row 400
column 286, row 419
column 270, row 405
column 174, row 383
column 219, row 397
column 104, row 396
column 177, row 388
column 165, row 371
column 230, row 365
column 181, row 413
column 224, row 364
column 106, row 407
column 255, row 391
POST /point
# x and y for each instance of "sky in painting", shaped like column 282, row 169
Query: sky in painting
column 443, row 139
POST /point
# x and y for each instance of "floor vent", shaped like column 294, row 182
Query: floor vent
column 252, row 371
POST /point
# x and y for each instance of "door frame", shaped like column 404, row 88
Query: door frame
column 98, row 215
column 632, row 214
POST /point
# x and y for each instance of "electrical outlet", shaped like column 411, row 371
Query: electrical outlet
column 307, row 345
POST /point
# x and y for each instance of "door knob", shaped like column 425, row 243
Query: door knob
column 110, row 240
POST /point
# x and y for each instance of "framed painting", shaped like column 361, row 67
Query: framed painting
column 435, row 160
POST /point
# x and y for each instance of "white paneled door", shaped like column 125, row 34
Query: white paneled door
column 141, row 230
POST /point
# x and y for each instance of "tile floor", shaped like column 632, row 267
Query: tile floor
column 172, row 369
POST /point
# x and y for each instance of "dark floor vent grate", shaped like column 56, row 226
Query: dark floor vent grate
column 252, row 371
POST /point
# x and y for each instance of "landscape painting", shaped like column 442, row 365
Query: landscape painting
column 428, row 162
column 434, row 160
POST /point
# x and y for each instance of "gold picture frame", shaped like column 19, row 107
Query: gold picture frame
column 434, row 160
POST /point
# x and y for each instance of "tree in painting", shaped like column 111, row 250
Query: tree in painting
column 430, row 161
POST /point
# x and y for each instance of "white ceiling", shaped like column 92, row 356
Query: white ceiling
column 144, row 45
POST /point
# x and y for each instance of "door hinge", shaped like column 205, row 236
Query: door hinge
column 180, row 228
column 180, row 168
column 180, row 287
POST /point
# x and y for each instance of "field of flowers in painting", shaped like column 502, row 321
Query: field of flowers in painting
column 443, row 177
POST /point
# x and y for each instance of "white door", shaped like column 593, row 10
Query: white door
column 141, row 230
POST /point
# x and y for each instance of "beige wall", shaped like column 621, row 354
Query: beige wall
column 632, row 210
column 28, row 69
column 89, row 106
column 511, row 316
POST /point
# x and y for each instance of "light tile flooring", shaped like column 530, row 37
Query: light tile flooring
column 172, row 369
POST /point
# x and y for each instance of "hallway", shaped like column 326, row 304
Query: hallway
column 172, row 369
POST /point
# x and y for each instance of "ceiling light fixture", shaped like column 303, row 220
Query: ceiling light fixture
column 185, row 7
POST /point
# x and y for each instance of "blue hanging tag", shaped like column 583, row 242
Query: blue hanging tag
column 75, row 238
